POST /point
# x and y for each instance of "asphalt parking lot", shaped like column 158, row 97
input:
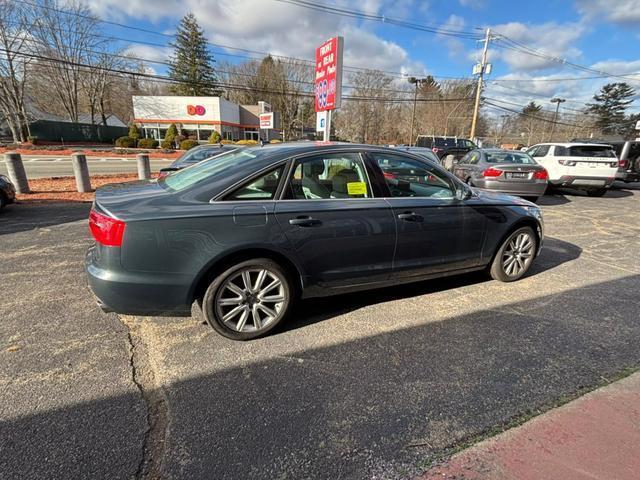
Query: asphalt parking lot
column 362, row 386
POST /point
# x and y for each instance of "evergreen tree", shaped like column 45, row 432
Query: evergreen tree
column 610, row 107
column 192, row 64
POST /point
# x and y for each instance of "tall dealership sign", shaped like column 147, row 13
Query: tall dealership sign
column 328, row 81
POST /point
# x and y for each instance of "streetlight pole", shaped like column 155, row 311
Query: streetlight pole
column 557, row 101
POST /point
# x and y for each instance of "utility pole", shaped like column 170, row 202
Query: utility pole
column 557, row 101
column 483, row 66
column 415, row 81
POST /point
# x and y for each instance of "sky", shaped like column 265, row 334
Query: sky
column 603, row 35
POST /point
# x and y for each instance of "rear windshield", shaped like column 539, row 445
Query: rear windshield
column 210, row 169
column 585, row 151
column 198, row 154
column 508, row 157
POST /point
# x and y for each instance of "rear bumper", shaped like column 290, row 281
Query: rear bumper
column 526, row 189
column 582, row 182
column 138, row 293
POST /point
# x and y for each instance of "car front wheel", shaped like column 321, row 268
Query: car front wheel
column 515, row 255
column 247, row 300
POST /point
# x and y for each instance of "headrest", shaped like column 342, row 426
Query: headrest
column 312, row 169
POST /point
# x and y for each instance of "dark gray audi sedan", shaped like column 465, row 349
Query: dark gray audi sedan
column 248, row 232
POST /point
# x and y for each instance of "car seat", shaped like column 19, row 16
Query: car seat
column 311, row 172
column 340, row 181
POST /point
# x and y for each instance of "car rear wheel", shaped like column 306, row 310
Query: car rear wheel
column 597, row 193
column 515, row 255
column 247, row 300
column 3, row 201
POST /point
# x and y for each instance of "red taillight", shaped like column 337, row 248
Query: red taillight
column 541, row 175
column 389, row 175
column 492, row 172
column 435, row 149
column 624, row 163
column 106, row 230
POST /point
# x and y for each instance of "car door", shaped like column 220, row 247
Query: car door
column 436, row 231
column 341, row 235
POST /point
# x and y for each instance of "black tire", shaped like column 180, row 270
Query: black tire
column 498, row 270
column 3, row 201
column 215, row 295
column 597, row 193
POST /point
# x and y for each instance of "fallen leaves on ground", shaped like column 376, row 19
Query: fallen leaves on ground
column 63, row 189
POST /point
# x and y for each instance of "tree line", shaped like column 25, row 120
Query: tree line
column 56, row 58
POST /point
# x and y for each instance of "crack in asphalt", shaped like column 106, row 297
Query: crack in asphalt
column 153, row 447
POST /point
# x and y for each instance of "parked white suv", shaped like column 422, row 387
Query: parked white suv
column 585, row 166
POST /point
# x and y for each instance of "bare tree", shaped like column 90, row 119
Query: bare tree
column 64, row 40
column 13, row 68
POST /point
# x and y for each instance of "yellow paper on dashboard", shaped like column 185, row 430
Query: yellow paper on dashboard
column 357, row 188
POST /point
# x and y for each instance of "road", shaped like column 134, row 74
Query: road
column 373, row 385
column 38, row 166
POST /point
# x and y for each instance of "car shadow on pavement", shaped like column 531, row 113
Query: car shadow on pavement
column 379, row 403
column 555, row 252
column 552, row 199
column 21, row 217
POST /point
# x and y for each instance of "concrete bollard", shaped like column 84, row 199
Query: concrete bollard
column 81, row 172
column 15, row 168
column 144, row 167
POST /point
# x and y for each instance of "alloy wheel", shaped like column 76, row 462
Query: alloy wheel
column 518, row 254
column 251, row 299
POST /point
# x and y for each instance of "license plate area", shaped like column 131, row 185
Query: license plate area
column 518, row 175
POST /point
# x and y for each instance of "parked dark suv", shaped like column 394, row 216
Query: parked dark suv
column 447, row 148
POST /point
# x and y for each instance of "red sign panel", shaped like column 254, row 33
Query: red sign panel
column 328, row 82
column 266, row 120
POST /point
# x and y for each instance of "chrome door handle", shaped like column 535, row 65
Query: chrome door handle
column 410, row 217
column 304, row 221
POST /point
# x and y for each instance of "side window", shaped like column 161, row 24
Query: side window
column 541, row 151
column 559, row 151
column 332, row 175
column 407, row 177
column 262, row 188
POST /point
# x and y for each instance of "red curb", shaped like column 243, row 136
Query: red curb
column 594, row 437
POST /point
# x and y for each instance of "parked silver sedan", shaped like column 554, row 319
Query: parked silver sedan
column 507, row 171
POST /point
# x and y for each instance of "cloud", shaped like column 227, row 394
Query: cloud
column 455, row 45
column 623, row 12
column 279, row 28
column 149, row 53
column 551, row 38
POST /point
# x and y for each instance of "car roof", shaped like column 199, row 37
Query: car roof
column 575, row 144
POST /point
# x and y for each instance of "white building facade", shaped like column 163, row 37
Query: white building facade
column 197, row 117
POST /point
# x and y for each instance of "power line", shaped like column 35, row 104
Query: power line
column 506, row 109
column 214, row 45
column 345, row 12
column 68, row 63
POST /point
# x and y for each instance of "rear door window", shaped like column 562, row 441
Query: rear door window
column 331, row 175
